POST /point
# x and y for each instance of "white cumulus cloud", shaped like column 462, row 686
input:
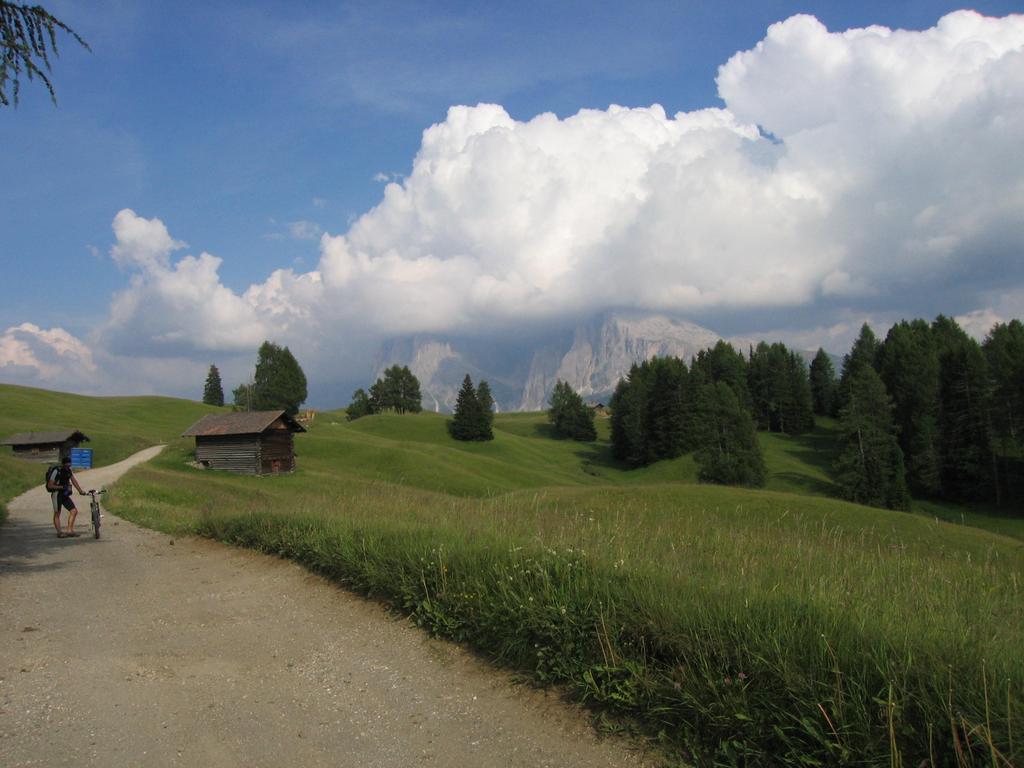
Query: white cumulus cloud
column 866, row 164
column 854, row 173
column 176, row 308
column 32, row 354
column 142, row 243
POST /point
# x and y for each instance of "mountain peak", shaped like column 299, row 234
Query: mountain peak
column 593, row 359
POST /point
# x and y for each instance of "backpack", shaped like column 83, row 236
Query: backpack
column 53, row 478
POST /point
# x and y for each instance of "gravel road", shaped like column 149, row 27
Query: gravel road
column 142, row 649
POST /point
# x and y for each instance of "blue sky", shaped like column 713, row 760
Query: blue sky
column 259, row 133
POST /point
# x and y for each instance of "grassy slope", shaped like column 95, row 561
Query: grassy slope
column 117, row 426
column 781, row 585
column 483, row 541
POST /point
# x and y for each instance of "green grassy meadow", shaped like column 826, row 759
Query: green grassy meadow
column 116, row 426
column 737, row 627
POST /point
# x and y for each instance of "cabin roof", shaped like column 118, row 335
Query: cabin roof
column 45, row 438
column 241, row 423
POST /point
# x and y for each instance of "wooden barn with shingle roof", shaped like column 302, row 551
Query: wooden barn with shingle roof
column 252, row 443
column 45, row 446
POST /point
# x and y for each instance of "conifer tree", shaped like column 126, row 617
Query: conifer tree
column 629, row 410
column 469, row 422
column 665, row 430
column 723, row 363
column 870, row 469
column 799, row 408
column 213, row 391
column 1004, row 351
column 823, row 384
column 486, row 400
column 653, row 415
column 759, row 383
column 908, row 364
column 780, row 390
column 728, row 452
column 28, row 35
column 968, row 465
column 864, row 352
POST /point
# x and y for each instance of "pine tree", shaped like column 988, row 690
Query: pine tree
column 780, row 390
column 665, row 430
column 759, row 384
column 486, row 401
column 823, row 384
column 653, row 408
column 28, row 35
column 864, row 352
column 1004, row 351
column 468, row 421
column 799, row 408
column 629, row 409
column 870, row 469
column 723, row 363
column 908, row 364
column 728, row 452
column 213, row 391
column 968, row 469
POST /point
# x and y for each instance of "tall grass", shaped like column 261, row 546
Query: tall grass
column 739, row 627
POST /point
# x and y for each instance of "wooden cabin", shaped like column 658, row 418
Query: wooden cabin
column 48, row 447
column 251, row 443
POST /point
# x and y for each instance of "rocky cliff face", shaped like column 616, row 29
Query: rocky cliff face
column 441, row 364
column 592, row 360
column 427, row 360
column 604, row 350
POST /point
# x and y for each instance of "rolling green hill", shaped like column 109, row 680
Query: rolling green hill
column 526, row 454
column 740, row 627
column 116, row 426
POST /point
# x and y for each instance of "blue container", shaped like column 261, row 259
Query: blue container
column 81, row 458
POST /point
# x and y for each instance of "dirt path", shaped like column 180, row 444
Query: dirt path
column 141, row 649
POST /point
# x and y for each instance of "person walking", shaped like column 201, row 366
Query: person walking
column 58, row 482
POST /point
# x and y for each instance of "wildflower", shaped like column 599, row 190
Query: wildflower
column 728, row 681
column 742, row 675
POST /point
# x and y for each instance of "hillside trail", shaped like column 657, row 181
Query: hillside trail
column 144, row 649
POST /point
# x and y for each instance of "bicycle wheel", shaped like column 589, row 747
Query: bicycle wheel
column 95, row 520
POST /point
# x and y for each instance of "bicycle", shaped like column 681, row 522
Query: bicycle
column 94, row 508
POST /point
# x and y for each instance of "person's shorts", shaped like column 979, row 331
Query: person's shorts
column 61, row 500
